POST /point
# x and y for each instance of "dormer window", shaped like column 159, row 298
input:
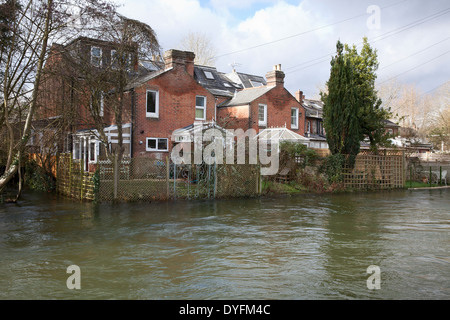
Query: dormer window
column 256, row 83
column 96, row 56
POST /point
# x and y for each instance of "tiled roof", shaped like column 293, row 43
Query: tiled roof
column 214, row 81
column 314, row 108
column 246, row 96
column 142, row 79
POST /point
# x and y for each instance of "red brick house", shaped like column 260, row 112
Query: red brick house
column 160, row 98
column 167, row 100
column 264, row 106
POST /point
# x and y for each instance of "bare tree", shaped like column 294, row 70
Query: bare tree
column 202, row 46
column 439, row 128
column 409, row 107
column 96, row 89
column 30, row 26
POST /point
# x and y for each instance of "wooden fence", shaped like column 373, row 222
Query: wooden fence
column 72, row 180
column 385, row 170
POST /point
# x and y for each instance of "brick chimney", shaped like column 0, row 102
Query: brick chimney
column 275, row 77
column 176, row 58
column 299, row 96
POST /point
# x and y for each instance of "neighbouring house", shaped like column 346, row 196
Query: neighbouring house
column 314, row 130
column 264, row 104
column 75, row 77
column 391, row 127
column 160, row 99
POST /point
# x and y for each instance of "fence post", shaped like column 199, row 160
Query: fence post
column 115, row 176
column 430, row 176
column 404, row 168
column 70, row 176
column 440, row 175
column 215, row 178
column 81, row 179
column 410, row 176
column 167, row 176
column 174, row 180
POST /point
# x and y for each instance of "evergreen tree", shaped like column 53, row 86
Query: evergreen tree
column 352, row 110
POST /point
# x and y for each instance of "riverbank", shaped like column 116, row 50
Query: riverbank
column 430, row 188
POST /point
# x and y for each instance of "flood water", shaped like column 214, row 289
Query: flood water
column 299, row 247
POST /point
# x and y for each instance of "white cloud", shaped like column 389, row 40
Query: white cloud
column 239, row 25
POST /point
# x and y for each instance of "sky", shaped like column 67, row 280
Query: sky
column 412, row 37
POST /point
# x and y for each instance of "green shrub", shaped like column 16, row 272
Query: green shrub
column 36, row 178
column 332, row 167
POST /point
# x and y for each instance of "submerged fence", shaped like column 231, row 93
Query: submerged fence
column 145, row 179
column 72, row 180
column 376, row 171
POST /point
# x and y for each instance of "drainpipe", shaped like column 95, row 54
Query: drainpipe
column 215, row 110
column 133, row 109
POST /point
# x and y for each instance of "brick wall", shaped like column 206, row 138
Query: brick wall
column 279, row 103
column 177, row 98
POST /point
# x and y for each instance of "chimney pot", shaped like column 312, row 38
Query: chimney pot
column 175, row 58
column 275, row 77
column 299, row 96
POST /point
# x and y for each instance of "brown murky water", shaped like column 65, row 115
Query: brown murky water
column 302, row 247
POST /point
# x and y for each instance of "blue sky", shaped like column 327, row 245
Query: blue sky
column 412, row 38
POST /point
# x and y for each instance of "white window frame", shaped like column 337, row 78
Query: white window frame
column 209, row 75
column 102, row 104
column 200, row 107
column 264, row 122
column 114, row 61
column 156, row 149
column 296, row 117
column 156, row 113
column 92, row 56
column 308, row 126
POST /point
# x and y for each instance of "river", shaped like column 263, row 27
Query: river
column 297, row 247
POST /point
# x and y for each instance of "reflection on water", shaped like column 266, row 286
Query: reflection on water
column 302, row 247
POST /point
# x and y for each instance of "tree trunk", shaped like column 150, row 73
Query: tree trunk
column 12, row 170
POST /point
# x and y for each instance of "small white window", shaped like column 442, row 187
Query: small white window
column 308, row 127
column 200, row 108
column 152, row 104
column 294, row 118
column 92, row 149
column 100, row 101
column 256, row 83
column 114, row 60
column 157, row 144
column 96, row 56
column 76, row 148
column 209, row 75
column 262, row 115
